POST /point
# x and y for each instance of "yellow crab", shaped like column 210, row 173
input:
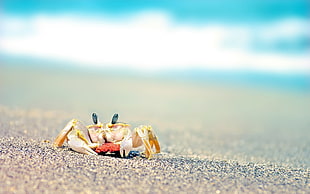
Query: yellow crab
column 85, row 139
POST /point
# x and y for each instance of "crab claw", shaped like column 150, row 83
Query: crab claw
column 77, row 136
column 126, row 146
column 78, row 142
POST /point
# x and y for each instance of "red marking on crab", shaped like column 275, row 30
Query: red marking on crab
column 108, row 147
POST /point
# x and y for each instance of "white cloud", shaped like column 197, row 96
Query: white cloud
column 148, row 41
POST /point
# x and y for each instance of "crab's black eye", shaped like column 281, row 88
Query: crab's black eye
column 114, row 118
column 95, row 118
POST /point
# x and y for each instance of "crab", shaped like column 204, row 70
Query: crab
column 88, row 139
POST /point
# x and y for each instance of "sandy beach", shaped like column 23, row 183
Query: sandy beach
column 214, row 138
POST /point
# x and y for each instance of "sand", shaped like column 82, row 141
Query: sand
column 30, row 164
column 214, row 139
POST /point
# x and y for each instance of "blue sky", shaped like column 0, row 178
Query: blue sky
column 156, row 35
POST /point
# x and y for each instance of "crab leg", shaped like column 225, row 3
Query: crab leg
column 149, row 140
column 154, row 142
column 62, row 136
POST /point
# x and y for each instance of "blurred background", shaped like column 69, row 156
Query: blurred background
column 226, row 79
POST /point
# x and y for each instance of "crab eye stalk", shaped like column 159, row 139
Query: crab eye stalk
column 95, row 118
column 114, row 118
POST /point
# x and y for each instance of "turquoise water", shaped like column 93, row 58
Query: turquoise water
column 237, row 10
column 255, row 30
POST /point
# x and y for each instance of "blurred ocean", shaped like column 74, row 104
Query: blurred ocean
column 256, row 36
